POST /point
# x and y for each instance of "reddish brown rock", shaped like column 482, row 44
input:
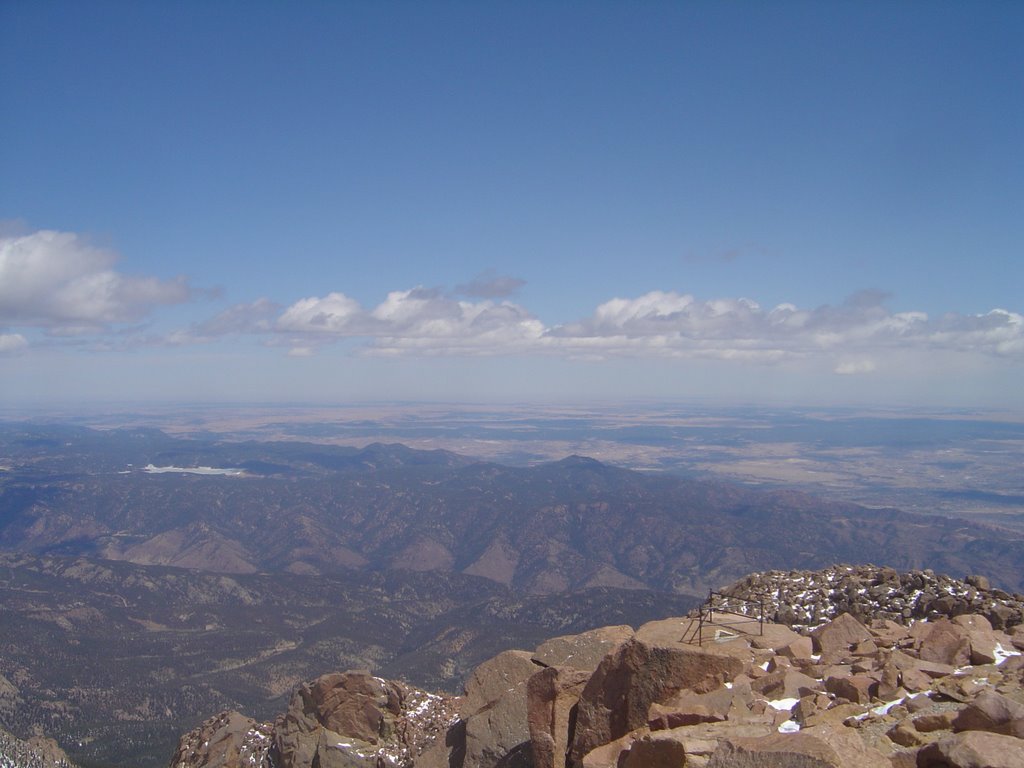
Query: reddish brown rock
column 958, row 688
column 699, row 742
column 228, row 740
column 495, row 712
column 551, row 696
column 835, row 639
column 904, row 758
column 785, row 685
column 809, row 705
column 583, row 651
column 1017, row 637
column 917, row 703
column 993, row 712
column 352, row 708
column 973, row 621
column 330, row 723
column 773, row 637
column 801, row 648
column 493, row 679
column 858, row 689
column 887, row 633
column 655, row 752
column 981, row 637
column 933, row 669
column 608, row 755
column 905, row 734
column 689, row 708
column 618, row 695
column 865, row 648
column 834, row 715
column 935, row 721
column 973, row 749
column 945, row 643
column 889, row 681
column 818, row 747
column 353, row 703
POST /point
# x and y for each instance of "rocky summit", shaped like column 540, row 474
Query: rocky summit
column 856, row 684
column 808, row 598
column 339, row 720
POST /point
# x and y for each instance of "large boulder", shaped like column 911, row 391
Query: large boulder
column 227, row 740
column 788, row 684
column 836, row 639
column 688, row 708
column 655, row 752
column 340, row 720
column 494, row 712
column 637, row 674
column 973, row 749
column 817, row 747
column 551, row 696
column 945, row 643
column 983, row 639
column 582, row 651
column 859, row 689
column 994, row 712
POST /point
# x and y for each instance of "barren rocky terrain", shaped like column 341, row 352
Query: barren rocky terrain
column 943, row 690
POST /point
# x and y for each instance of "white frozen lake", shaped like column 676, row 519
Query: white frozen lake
column 152, row 469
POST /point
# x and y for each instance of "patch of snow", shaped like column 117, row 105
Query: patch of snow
column 783, row 704
column 883, row 709
column 231, row 471
column 1002, row 654
column 790, row 726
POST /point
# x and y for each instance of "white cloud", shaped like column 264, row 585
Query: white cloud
column 12, row 342
column 415, row 321
column 57, row 281
column 850, row 338
column 332, row 314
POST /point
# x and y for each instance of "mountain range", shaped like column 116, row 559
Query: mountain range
column 571, row 524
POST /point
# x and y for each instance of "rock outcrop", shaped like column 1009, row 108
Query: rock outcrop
column 34, row 752
column 811, row 598
column 340, row 720
column 722, row 691
column 227, row 740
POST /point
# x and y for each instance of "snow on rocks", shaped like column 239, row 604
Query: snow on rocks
column 807, row 599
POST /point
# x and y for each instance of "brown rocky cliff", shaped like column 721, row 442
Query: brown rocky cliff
column 227, row 740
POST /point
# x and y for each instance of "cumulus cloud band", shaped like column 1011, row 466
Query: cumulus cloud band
column 655, row 324
column 59, row 283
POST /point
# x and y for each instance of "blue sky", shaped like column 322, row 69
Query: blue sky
column 332, row 201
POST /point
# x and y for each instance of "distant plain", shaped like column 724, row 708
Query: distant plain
column 951, row 462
